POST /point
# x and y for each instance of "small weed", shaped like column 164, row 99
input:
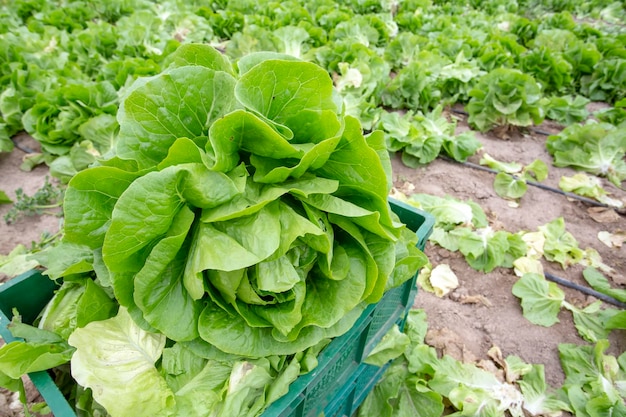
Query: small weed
column 45, row 199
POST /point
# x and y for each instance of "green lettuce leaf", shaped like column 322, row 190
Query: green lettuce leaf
column 594, row 381
column 600, row 283
column 597, row 148
column 560, row 245
column 153, row 116
column 541, row 300
column 120, row 371
column 505, row 96
column 40, row 350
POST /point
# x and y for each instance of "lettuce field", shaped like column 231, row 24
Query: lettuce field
column 208, row 182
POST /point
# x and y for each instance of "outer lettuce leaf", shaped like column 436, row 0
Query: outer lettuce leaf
column 76, row 304
column 133, row 382
column 391, row 346
column 41, row 350
column 485, row 249
column 594, row 381
column 200, row 55
column 401, row 394
column 600, row 283
column 278, row 91
column 89, row 202
column 182, row 102
column 541, row 300
column 560, row 245
column 537, row 399
column 474, row 391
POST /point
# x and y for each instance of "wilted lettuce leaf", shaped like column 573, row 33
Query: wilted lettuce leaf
column 560, row 245
column 134, row 351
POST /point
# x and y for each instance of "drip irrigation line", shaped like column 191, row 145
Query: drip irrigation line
column 583, row 289
column 21, row 147
column 463, row 112
column 533, row 183
column 541, row 132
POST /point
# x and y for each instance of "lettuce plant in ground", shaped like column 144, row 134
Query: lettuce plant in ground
column 549, row 68
column 597, row 148
column 608, row 81
column 594, row 381
column 615, row 115
column 241, row 216
column 567, row 109
column 422, row 137
column 503, row 97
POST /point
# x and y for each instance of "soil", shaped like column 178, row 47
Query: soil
column 467, row 330
column 26, row 230
column 482, row 312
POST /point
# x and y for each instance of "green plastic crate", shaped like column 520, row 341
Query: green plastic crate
column 336, row 387
column 29, row 293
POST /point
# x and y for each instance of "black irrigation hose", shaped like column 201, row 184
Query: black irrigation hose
column 586, row 290
column 541, row 132
column 533, row 183
column 22, row 148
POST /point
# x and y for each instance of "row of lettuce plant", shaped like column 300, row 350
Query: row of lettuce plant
column 64, row 65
